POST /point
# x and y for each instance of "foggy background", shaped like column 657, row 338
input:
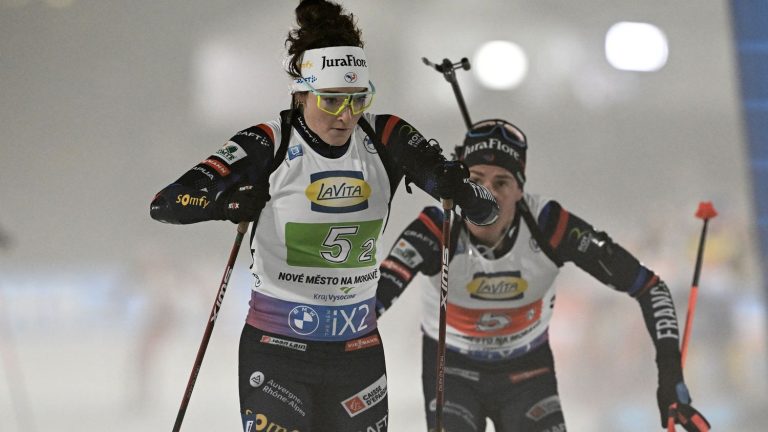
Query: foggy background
column 104, row 103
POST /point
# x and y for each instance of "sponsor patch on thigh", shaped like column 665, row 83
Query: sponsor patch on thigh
column 361, row 343
column 271, row 340
column 463, row 373
column 378, row 426
column 366, row 398
column 254, row 422
column 543, row 408
column 517, row 377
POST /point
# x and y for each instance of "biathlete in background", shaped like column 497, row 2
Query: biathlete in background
column 501, row 296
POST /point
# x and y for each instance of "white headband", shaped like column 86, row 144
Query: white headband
column 341, row 66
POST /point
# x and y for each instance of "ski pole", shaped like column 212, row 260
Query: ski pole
column 242, row 227
column 440, row 390
column 447, row 68
column 706, row 211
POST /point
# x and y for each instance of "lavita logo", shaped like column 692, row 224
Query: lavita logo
column 338, row 192
column 497, row 286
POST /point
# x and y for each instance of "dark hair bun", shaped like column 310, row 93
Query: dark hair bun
column 321, row 24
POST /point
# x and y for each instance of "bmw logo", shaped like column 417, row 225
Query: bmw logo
column 303, row 320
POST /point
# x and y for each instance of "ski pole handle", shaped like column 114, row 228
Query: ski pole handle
column 242, row 228
column 448, row 68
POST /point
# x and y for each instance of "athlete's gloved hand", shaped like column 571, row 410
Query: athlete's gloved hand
column 674, row 399
column 479, row 205
column 451, row 179
column 244, row 202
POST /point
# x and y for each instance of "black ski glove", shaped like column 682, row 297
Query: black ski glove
column 244, row 203
column 479, row 205
column 673, row 398
column 451, row 179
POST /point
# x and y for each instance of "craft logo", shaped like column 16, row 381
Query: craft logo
column 368, row 397
column 257, row 136
column 497, row 286
column 338, row 192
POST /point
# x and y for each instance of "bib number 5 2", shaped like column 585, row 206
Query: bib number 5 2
column 340, row 246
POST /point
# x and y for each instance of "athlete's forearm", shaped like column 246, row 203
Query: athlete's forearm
column 595, row 252
column 197, row 195
column 575, row 240
column 179, row 204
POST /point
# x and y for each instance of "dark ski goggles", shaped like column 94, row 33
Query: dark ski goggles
column 510, row 132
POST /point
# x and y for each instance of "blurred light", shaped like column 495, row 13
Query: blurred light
column 636, row 46
column 500, row 65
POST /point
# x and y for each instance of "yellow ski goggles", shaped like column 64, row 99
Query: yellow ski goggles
column 335, row 103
